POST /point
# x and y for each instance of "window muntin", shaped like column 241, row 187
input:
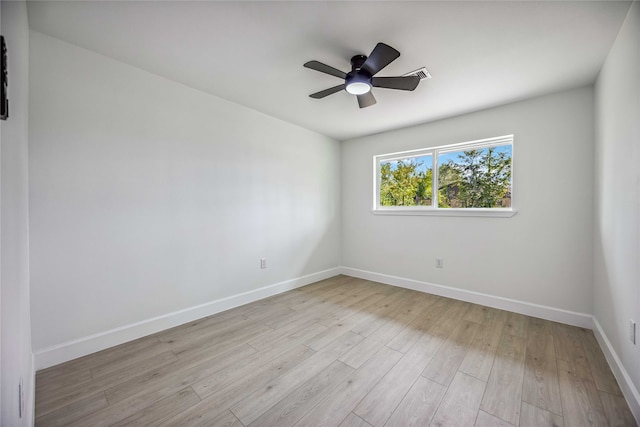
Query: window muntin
column 473, row 176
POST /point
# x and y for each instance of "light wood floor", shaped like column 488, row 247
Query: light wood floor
column 343, row 352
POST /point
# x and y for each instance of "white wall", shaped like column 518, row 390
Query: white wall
column 16, row 355
column 542, row 255
column 149, row 197
column 617, row 196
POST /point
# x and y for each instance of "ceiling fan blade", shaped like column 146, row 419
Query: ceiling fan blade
column 327, row 92
column 324, row 68
column 366, row 100
column 401, row 83
column 381, row 56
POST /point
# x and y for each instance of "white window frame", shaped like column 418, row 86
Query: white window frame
column 434, row 152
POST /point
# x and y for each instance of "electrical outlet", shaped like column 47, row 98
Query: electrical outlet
column 439, row 263
column 263, row 263
column 632, row 331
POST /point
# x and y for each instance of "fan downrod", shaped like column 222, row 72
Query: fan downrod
column 357, row 62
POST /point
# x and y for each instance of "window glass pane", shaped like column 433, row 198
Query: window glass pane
column 479, row 178
column 406, row 182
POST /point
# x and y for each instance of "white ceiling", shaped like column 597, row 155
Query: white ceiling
column 481, row 54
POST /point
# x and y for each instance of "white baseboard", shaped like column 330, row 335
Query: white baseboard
column 60, row 353
column 624, row 381
column 549, row 313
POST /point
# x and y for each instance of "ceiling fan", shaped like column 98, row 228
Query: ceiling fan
column 361, row 77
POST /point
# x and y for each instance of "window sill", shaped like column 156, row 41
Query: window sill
column 495, row 213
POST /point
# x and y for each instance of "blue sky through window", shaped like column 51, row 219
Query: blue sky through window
column 444, row 158
column 424, row 162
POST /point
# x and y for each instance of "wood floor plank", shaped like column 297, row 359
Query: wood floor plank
column 314, row 293
column 541, row 385
column 205, row 349
column 251, row 407
column 68, row 372
column 161, row 410
column 385, row 310
column 360, row 353
column 319, row 288
column 419, row 404
column 488, row 420
column 122, row 363
column 616, row 410
column 309, row 292
column 568, row 342
column 120, row 410
column 136, row 396
column 52, row 400
column 532, row 416
column 320, row 312
column 516, row 325
column 296, row 338
column 200, row 324
column 432, row 310
column 332, row 333
column 352, row 307
column 245, row 379
column 130, row 348
column 600, row 370
column 479, row 359
column 297, row 403
column 269, row 339
column 445, row 363
column 337, row 406
column 62, row 380
column 354, row 421
column 380, row 403
column 370, row 315
column 504, row 387
column 263, row 311
column 376, row 296
column 581, row 404
column 479, row 314
column 204, row 418
column 176, row 375
column 239, row 332
column 335, row 295
column 461, row 402
column 250, row 371
column 74, row 411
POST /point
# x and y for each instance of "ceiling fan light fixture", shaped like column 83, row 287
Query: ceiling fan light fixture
column 358, row 88
column 357, row 83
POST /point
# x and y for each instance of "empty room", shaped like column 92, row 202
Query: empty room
column 320, row 213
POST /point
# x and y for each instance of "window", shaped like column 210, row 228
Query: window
column 472, row 178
